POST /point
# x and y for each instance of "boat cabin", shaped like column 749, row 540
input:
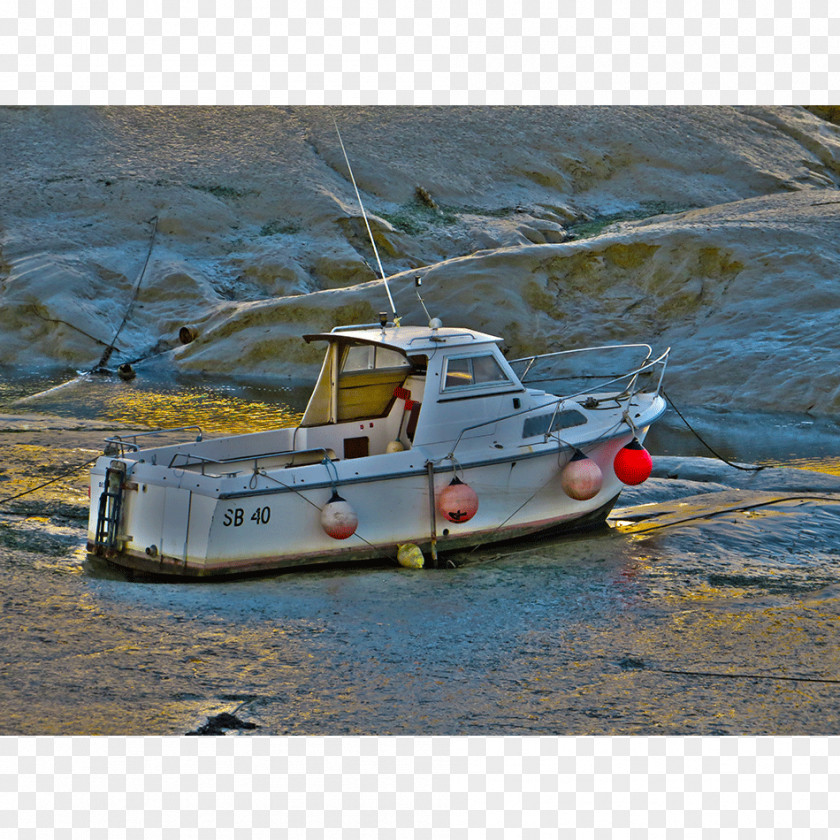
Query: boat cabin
column 384, row 389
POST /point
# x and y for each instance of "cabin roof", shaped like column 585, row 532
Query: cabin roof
column 407, row 339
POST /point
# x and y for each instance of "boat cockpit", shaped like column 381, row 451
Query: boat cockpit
column 373, row 382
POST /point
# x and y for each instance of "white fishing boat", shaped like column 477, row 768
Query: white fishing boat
column 415, row 441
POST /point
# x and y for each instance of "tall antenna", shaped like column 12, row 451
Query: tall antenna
column 367, row 225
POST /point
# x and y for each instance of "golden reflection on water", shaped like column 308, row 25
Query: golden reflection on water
column 824, row 465
column 214, row 411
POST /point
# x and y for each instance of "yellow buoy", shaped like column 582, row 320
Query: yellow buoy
column 409, row 556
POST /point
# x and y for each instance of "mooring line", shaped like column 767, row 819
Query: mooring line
column 754, row 468
column 110, row 348
column 732, row 509
column 51, row 481
column 825, row 680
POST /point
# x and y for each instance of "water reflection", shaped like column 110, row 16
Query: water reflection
column 216, row 411
column 216, row 406
column 830, row 465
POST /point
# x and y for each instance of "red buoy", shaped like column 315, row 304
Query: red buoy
column 633, row 463
column 581, row 478
column 338, row 519
column 457, row 502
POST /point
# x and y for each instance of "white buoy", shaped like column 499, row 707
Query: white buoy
column 338, row 519
column 581, row 478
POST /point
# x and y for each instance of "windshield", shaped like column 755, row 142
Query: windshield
column 469, row 371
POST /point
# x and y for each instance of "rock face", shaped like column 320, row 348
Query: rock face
column 710, row 230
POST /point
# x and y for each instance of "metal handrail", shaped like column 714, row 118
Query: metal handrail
column 632, row 375
column 348, row 327
column 203, row 460
column 117, row 440
column 533, row 359
column 441, row 338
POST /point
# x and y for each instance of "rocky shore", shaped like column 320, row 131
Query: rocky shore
column 712, row 230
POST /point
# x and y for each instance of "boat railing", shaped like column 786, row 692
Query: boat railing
column 351, row 327
column 441, row 338
column 129, row 442
column 202, row 461
column 627, row 393
column 531, row 361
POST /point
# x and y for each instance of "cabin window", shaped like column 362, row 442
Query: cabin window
column 544, row 424
column 472, row 371
column 361, row 357
column 368, row 376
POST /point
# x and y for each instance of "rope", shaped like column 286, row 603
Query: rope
column 110, row 348
column 333, row 475
column 643, row 528
column 51, row 481
column 734, row 676
column 264, row 474
column 716, row 454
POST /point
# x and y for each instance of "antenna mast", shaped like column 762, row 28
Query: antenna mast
column 367, row 225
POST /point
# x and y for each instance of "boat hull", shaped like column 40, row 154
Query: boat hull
column 202, row 528
column 166, row 567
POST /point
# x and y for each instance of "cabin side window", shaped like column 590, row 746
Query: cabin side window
column 361, row 357
column 358, row 380
column 471, row 371
column 367, row 379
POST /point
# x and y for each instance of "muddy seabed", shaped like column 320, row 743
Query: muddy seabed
column 708, row 607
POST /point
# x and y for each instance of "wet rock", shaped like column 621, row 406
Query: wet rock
column 710, row 230
column 631, row 663
column 221, row 723
column 712, row 471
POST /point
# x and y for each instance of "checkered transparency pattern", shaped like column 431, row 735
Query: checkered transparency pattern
column 411, row 52
column 647, row 788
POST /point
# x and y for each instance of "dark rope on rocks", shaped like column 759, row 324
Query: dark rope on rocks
column 714, row 452
column 110, row 348
column 746, row 676
column 125, row 370
column 629, row 663
column 51, row 481
column 808, row 497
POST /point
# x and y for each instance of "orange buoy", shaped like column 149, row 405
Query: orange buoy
column 458, row 502
column 633, row 463
column 581, row 478
column 338, row 519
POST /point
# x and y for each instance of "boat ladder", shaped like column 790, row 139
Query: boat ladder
column 110, row 509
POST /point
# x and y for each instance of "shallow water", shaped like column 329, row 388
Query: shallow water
column 218, row 406
column 725, row 624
